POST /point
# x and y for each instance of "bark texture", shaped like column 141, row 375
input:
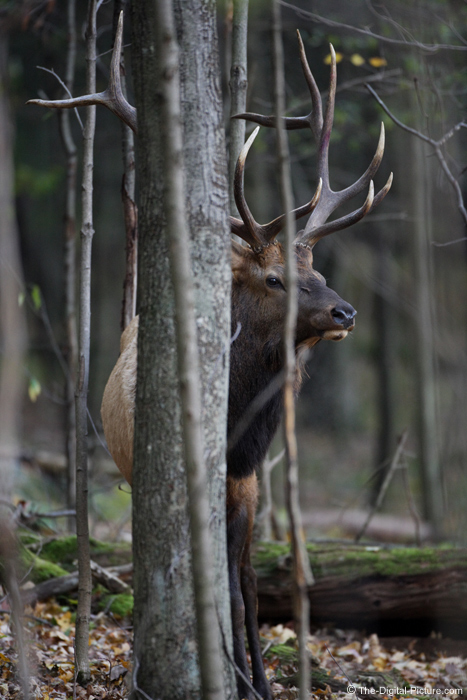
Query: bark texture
column 238, row 89
column 362, row 585
column 83, row 611
column 302, row 577
column 165, row 638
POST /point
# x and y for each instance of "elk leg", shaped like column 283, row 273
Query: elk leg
column 250, row 599
column 237, row 529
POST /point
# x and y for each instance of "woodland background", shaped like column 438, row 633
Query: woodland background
column 403, row 368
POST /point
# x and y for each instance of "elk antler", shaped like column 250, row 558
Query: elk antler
column 112, row 98
column 316, row 227
column 248, row 229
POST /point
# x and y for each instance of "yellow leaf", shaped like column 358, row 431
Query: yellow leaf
column 34, row 390
column 357, row 60
column 377, row 62
column 339, row 57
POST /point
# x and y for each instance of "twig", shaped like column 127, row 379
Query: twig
column 411, row 501
column 387, row 480
column 64, row 86
column 87, row 233
column 130, row 209
column 238, row 670
column 443, row 245
column 437, row 146
column 429, row 48
column 265, row 516
column 254, row 409
column 351, row 685
column 303, row 577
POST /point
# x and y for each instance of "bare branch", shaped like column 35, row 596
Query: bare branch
column 387, row 480
column 437, row 146
column 428, row 48
column 65, row 87
column 303, row 577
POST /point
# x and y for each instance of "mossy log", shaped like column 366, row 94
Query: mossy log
column 377, row 587
column 358, row 585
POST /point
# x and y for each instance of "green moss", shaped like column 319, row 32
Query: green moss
column 120, row 605
column 285, row 653
column 64, row 550
column 39, row 569
column 361, row 560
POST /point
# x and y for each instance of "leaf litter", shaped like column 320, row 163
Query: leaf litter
column 339, row 658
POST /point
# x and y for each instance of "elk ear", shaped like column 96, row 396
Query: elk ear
column 240, row 253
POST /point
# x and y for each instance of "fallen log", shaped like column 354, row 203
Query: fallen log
column 371, row 586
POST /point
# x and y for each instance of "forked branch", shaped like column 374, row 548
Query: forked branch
column 437, row 147
column 112, row 97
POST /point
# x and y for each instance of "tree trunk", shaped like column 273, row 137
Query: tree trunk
column 166, row 659
column 238, row 90
column 386, row 353
column 83, row 611
column 425, row 350
column 12, row 349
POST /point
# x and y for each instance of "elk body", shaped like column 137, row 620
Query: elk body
column 256, row 359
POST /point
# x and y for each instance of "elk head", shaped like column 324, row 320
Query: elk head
column 259, row 268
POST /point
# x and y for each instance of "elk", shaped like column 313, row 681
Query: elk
column 256, row 359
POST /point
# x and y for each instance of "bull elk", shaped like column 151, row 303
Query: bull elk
column 256, row 360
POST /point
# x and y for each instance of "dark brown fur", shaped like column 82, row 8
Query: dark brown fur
column 256, row 364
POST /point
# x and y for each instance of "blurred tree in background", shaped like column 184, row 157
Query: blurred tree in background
column 405, row 365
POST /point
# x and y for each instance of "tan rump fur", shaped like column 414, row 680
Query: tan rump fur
column 118, row 403
column 242, row 492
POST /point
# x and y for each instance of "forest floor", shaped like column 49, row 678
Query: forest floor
column 400, row 667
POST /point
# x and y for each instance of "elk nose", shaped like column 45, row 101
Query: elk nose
column 344, row 314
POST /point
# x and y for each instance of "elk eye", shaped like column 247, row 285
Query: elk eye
column 273, row 282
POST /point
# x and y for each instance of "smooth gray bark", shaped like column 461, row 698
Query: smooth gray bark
column 69, row 260
column 83, row 612
column 425, row 349
column 166, row 659
column 238, row 90
column 302, row 576
column 130, row 210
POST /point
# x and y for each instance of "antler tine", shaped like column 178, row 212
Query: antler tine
column 332, row 200
column 323, row 147
column 329, row 200
column 274, row 227
column 112, row 97
column 372, row 201
column 248, row 229
column 315, row 118
column 363, row 181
